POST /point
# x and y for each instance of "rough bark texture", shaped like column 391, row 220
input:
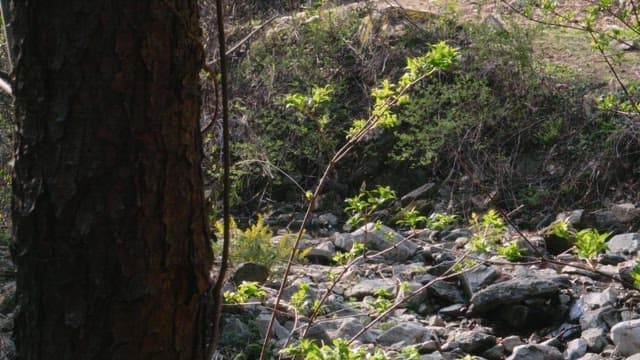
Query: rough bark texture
column 111, row 243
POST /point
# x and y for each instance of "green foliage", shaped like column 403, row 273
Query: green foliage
column 362, row 206
column 563, row 229
column 511, row 252
column 343, row 257
column 440, row 221
column 411, row 217
column 589, row 243
column 301, row 302
column 488, row 232
column 254, row 244
column 465, row 264
column 245, row 291
column 340, row 350
column 635, row 274
column 388, row 95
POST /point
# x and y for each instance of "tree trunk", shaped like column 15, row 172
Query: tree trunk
column 111, row 244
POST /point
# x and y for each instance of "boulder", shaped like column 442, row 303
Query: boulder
column 512, row 291
column 250, row 272
column 381, row 237
column 626, row 337
column 628, row 243
column 369, row 287
column 535, row 352
column 408, row 333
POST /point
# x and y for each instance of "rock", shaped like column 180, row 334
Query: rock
column 575, row 349
column 421, row 192
column 610, row 259
column 535, row 352
column 369, row 287
column 495, row 353
column 407, row 333
column 596, row 300
column 251, row 272
column 626, row 337
column 626, row 212
column 323, row 253
column 477, row 278
column 341, row 328
column 574, row 217
column 343, row 241
column 279, row 331
column 604, row 317
column 232, row 328
column 433, row 356
column 596, row 339
column 628, row 243
column 328, row 221
column 510, row 342
column 455, row 234
column 381, row 238
column 603, row 220
column 511, row 291
column 539, row 245
column 592, row 356
column 474, row 342
column 452, row 311
column 440, row 268
column 446, row 292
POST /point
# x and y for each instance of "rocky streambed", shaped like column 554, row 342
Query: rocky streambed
column 551, row 304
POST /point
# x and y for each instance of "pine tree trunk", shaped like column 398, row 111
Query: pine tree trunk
column 111, row 243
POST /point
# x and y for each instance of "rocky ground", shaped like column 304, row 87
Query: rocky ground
column 558, row 306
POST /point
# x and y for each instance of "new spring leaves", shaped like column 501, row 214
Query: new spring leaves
column 388, row 95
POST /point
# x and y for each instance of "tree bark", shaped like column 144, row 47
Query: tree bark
column 111, row 244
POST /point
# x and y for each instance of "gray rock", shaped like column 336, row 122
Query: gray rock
column 575, row 349
column 510, row 342
column 596, row 339
column 478, row 278
column 440, row 268
column 596, row 300
column 323, row 253
column 381, row 238
column 369, row 287
column 446, row 292
column 340, row 328
column 603, row 220
column 572, row 217
column 474, row 341
column 512, row 291
column 604, row 317
column 250, row 272
column 452, row 311
column 328, row 220
column 455, row 234
column 610, row 259
column 625, row 213
column 406, row 333
column 626, row 337
column 495, row 353
column 231, row 329
column 421, row 192
column 433, row 356
column 628, row 243
column 592, row 356
column 262, row 323
column 535, row 352
column 343, row 241
column 634, row 357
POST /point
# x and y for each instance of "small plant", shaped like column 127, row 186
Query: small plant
column 362, row 206
column 344, row 257
column 412, row 218
column 246, row 290
column 511, row 252
column 589, row 242
column 465, row 264
column 254, row 244
column 488, row 232
column 299, row 300
column 563, row 229
column 341, row 350
column 635, row 274
column 440, row 221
